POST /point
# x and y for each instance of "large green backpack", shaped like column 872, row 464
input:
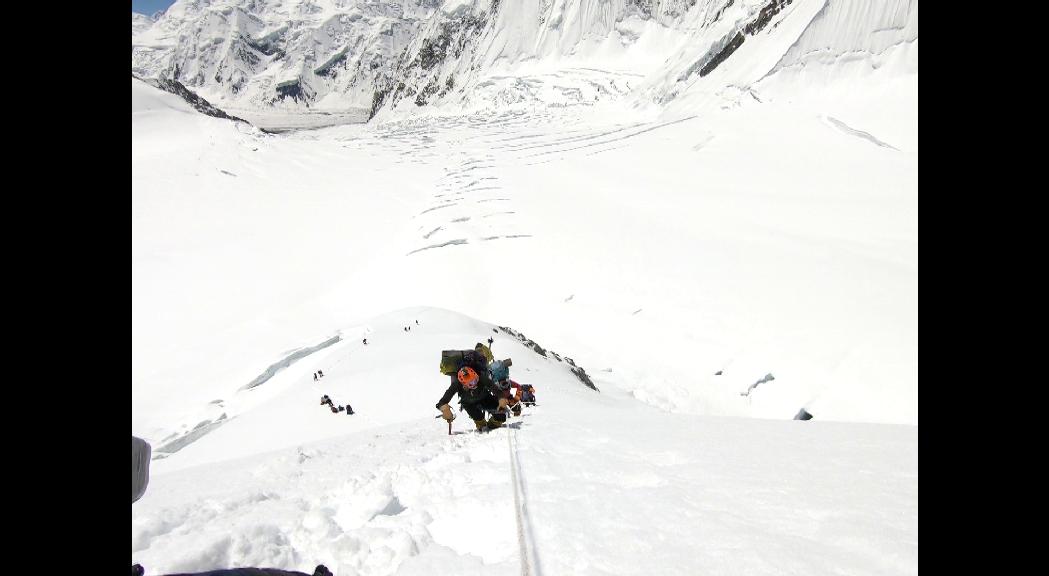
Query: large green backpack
column 453, row 360
column 486, row 351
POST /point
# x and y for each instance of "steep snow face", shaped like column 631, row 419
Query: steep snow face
column 856, row 65
column 856, row 30
column 583, row 483
column 390, row 380
column 852, row 62
column 176, row 218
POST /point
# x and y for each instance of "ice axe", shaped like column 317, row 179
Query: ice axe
column 449, row 424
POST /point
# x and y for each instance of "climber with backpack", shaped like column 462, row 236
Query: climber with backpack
column 516, row 403
column 528, row 394
column 499, row 371
column 468, row 370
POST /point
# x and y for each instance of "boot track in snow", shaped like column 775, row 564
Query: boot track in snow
column 525, row 538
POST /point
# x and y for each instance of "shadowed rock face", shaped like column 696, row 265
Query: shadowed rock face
column 579, row 372
column 723, row 54
column 755, row 25
column 764, row 16
column 293, row 91
column 199, row 104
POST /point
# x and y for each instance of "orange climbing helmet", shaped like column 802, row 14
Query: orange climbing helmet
column 468, row 377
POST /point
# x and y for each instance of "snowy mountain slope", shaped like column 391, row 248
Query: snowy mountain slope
column 706, row 243
column 179, row 157
column 390, row 380
column 736, row 242
column 857, row 66
column 603, row 486
column 593, row 482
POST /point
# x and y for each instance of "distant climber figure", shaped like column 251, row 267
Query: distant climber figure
column 515, row 402
column 349, row 409
column 365, row 341
column 528, row 394
column 499, row 371
column 325, row 400
column 314, row 376
column 320, row 373
column 416, row 322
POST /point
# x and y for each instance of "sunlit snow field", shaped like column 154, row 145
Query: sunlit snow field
column 716, row 263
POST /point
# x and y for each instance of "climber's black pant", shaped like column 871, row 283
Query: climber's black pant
column 490, row 404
